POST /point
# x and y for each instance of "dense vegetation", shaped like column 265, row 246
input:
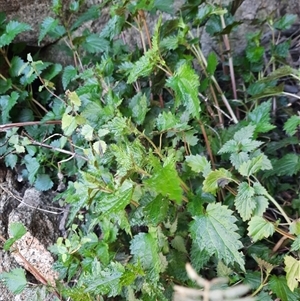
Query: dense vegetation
column 165, row 156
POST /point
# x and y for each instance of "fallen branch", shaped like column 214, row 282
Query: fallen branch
column 7, row 126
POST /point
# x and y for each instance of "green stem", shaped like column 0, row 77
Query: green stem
column 260, row 286
column 279, row 208
column 141, row 134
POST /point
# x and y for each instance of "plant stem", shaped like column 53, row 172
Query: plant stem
column 279, row 208
column 202, row 61
column 3, row 127
column 207, row 145
column 260, row 286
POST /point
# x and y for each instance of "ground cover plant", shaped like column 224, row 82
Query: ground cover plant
column 165, row 156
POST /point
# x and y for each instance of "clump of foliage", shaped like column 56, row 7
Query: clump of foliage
column 161, row 166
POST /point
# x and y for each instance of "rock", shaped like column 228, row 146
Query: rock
column 7, row 263
column 32, row 12
column 248, row 12
column 42, row 231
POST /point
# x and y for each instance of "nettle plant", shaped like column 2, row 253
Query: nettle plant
column 152, row 181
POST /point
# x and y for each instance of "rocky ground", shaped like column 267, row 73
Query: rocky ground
column 37, row 212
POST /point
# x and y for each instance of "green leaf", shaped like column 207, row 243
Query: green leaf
column 74, row 98
column 248, row 145
column 19, row 148
column 203, row 12
column 214, row 26
column 244, row 134
column 215, row 232
column 266, row 163
column 262, row 204
column 15, row 280
column 16, row 65
column 156, row 211
column 176, row 265
column 32, row 166
column 285, row 22
column 257, row 88
column 279, row 286
column 237, row 159
column 241, row 142
column 259, row 228
column 47, row 25
column 13, row 28
column 223, row 270
column 129, row 157
column 291, row 125
column 6, row 104
column 58, row 32
column 142, row 4
column 118, row 126
column 263, row 264
column 102, row 132
column 259, row 189
column 244, row 201
column 281, row 50
column 254, row 165
column 260, row 117
column 31, row 149
column 255, row 53
column 216, row 178
column 16, row 231
column 296, row 244
column 11, row 160
column 95, row 44
column 104, row 281
column 199, row 258
column 88, row 132
column 145, row 250
column 92, row 13
column 178, row 244
column 113, row 27
column 144, row 66
column 113, row 203
column 68, row 124
column 212, row 62
column 43, row 182
column 53, row 71
column 5, row 85
column 164, row 6
column 166, row 121
column 185, row 83
column 100, row 147
column 70, row 72
column 189, row 137
column 57, row 6
column 288, row 165
column 230, row 146
column 266, row 91
column 165, row 180
column 169, row 43
column 292, row 269
column 295, row 227
column 199, row 164
column 139, row 108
